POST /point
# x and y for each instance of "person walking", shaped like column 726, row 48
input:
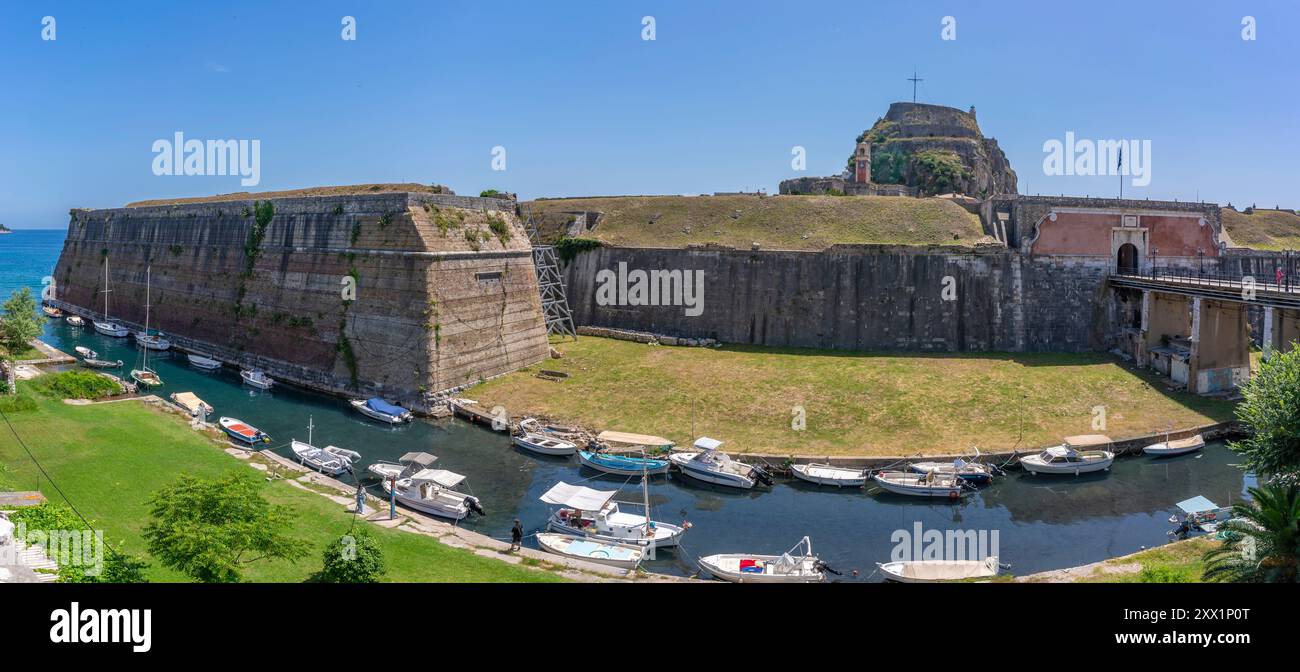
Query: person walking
column 516, row 535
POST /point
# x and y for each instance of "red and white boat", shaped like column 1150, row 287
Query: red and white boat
column 242, row 431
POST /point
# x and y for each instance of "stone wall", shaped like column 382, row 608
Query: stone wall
column 445, row 290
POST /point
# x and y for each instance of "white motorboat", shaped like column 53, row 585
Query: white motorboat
column 86, row 352
column 330, row 460
column 381, row 410
column 594, row 514
column 152, row 341
column 543, row 444
column 932, row 571
column 102, row 363
column 242, row 431
column 257, row 378
column 973, row 472
column 76, row 321
column 1068, row 459
column 203, row 362
column 581, row 548
column 797, row 565
column 826, row 474
column 408, row 464
column 920, row 485
column 107, row 327
column 713, row 466
column 433, row 491
column 1169, row 448
column 190, row 402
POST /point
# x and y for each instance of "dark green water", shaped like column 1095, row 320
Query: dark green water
column 1041, row 522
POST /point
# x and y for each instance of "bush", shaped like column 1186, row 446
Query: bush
column 1166, row 575
column 80, row 385
column 80, row 568
column 352, row 558
column 499, row 228
column 568, row 248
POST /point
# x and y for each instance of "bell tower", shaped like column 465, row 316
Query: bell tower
column 862, row 163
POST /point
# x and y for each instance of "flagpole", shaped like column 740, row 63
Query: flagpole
column 1120, row 170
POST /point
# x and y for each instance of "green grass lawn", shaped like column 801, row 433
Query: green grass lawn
column 855, row 403
column 1177, row 562
column 110, row 458
column 29, row 353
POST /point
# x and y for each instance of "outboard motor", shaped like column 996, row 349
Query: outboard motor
column 473, row 504
column 761, row 475
column 826, row 568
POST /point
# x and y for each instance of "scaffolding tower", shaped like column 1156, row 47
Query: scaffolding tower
column 550, row 284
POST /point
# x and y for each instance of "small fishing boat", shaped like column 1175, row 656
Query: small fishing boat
column 1169, row 448
column 52, row 312
column 330, row 460
column 632, row 456
column 594, row 514
column 107, row 327
column 188, row 401
column 971, row 472
column 152, row 341
column 825, row 474
column 433, row 491
column 242, row 431
column 405, row 466
column 381, row 410
column 797, row 565
column 543, row 444
column 933, row 571
column 203, row 362
column 101, row 363
column 257, row 378
column 1199, row 513
column 146, row 377
column 76, row 321
column 623, row 465
column 580, row 548
column 713, row 466
column 1068, row 459
column 920, row 485
column 86, row 352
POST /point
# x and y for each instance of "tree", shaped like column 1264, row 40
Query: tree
column 1271, row 407
column 211, row 529
column 352, row 558
column 80, row 567
column 20, row 322
column 1262, row 542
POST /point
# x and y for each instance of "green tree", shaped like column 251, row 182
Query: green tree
column 20, row 323
column 1262, row 542
column 117, row 567
column 352, row 558
column 1271, row 407
column 211, row 529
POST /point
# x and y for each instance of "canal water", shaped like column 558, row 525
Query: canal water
column 1040, row 522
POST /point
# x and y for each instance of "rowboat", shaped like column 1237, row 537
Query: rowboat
column 381, row 410
column 257, row 378
column 86, row 352
column 203, row 362
column 623, row 465
column 52, row 312
column 101, row 363
column 579, row 548
column 920, row 485
column 1067, row 459
column 1169, row 448
column 242, row 431
column 594, row 514
column 433, row 491
column 545, row 445
column 713, row 466
column 76, row 321
column 825, row 474
column 932, row 571
column 188, row 401
column 797, row 565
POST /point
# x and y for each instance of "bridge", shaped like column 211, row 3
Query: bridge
column 1195, row 327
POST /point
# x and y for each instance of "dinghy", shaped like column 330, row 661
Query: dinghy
column 920, row 485
column 579, row 548
column 433, row 491
column 933, row 571
column 1169, row 448
column 242, row 431
column 203, row 362
column 623, row 465
column 101, row 363
column 107, row 327
column 797, row 565
column 713, row 466
column 188, row 401
column 76, row 321
column 86, row 352
column 257, row 378
column 51, row 312
column 1067, row 459
column 543, row 444
column 825, row 474
column 971, row 472
column 381, row 410
column 594, row 514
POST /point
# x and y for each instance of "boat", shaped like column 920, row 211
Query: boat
column 433, row 491
column 330, row 460
column 257, row 378
column 76, row 321
column 1169, row 448
column 52, row 312
column 543, row 444
column 152, row 341
column 242, row 431
column 405, row 466
column 107, row 327
column 600, row 456
column 971, row 472
column 203, row 362
column 933, row 571
column 581, row 548
column 1200, row 513
column 188, row 401
column 594, row 514
column 86, row 352
column 921, row 485
column 623, row 465
column 145, row 375
column 825, row 474
column 381, row 410
column 1068, row 459
column 797, row 565
column 710, row 465
column 101, row 363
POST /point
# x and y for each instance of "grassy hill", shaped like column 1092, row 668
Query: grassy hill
column 1263, row 229
column 342, row 190
column 775, row 222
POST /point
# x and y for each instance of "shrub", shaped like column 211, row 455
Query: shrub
column 80, row 385
column 499, row 228
column 569, row 248
column 352, row 558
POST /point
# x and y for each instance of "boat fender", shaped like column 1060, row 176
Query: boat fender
column 952, row 494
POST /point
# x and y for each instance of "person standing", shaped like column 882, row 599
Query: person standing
column 516, row 535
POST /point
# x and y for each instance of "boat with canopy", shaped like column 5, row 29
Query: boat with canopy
column 594, row 514
column 1169, row 448
column 711, row 465
column 191, row 403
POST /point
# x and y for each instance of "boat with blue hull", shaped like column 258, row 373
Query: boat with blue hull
column 623, row 465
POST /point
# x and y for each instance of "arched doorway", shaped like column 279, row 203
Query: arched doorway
column 1127, row 259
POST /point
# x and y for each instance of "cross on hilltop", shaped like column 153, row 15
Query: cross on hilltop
column 914, row 79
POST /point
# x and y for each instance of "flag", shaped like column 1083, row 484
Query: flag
column 1119, row 168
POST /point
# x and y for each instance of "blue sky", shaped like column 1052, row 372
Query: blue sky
column 584, row 106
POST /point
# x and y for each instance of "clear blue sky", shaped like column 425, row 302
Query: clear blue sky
column 584, row 106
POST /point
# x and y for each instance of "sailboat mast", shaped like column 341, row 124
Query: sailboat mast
column 645, row 491
column 145, row 343
column 106, row 289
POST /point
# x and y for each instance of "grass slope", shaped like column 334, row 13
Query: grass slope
column 344, row 190
column 109, row 459
column 1263, row 230
column 856, row 403
column 775, row 222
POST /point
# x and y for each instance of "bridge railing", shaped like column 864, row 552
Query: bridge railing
column 1213, row 279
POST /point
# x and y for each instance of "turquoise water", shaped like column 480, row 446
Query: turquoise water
column 1041, row 522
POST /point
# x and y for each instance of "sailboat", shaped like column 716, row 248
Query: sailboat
column 107, row 327
column 144, row 375
column 593, row 514
column 330, row 460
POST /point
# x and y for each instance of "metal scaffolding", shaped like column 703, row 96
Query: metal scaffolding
column 550, row 284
